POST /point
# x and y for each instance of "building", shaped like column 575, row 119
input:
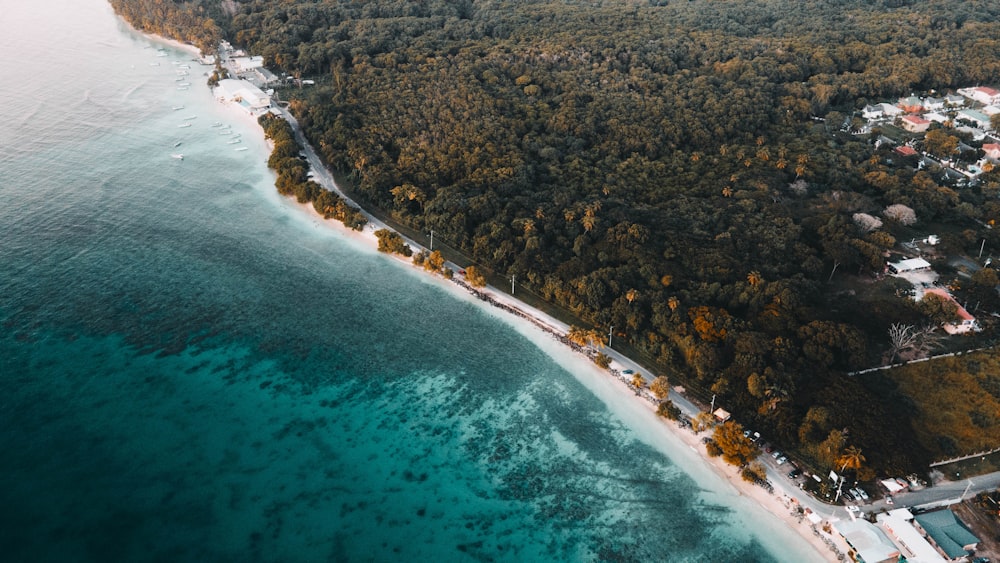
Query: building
column 868, row 541
column 977, row 118
column 992, row 150
column 911, row 104
column 936, row 117
column 250, row 97
column 247, row 64
column 966, row 322
column 911, row 265
column 906, row 150
column 947, row 533
column 878, row 111
column 954, row 100
column 982, row 94
column 934, row 104
column 898, row 525
column 914, row 123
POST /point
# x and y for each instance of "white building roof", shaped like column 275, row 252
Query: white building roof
column 911, row 543
column 910, row 265
column 868, row 540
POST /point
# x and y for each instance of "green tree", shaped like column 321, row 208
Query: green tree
column 737, row 449
column 660, row 387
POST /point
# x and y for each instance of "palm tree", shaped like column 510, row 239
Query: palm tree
column 851, row 458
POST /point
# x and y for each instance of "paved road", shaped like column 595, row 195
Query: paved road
column 777, row 474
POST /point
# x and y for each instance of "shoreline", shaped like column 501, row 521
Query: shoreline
column 785, row 506
column 788, row 510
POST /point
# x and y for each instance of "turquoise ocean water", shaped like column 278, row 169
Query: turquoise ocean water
column 192, row 369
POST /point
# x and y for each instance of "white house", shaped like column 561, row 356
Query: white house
column 878, row 111
column 247, row 64
column 250, row 97
column 898, row 524
column 911, row 265
column 936, row 117
column 982, row 94
column 977, row 118
column 954, row 100
column 933, row 104
column 868, row 540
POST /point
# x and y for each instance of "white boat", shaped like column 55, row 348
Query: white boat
column 184, row 125
column 217, row 124
column 178, row 156
column 182, row 87
column 177, row 144
column 225, row 132
column 178, row 107
column 190, row 117
column 242, row 149
column 154, row 64
column 184, row 84
column 233, row 142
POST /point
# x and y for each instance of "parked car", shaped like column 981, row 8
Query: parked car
column 755, row 437
column 794, row 473
column 888, row 500
column 782, row 459
column 776, row 454
column 768, row 448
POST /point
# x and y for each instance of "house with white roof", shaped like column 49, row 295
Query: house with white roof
column 248, row 96
column 935, row 117
column 982, row 94
column 933, row 104
column 868, row 541
column 912, row 545
column 878, row 111
column 954, row 100
column 910, row 265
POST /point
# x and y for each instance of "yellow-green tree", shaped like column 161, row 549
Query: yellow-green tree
column 737, row 449
column 660, row 387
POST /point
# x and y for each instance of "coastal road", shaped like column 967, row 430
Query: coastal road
column 940, row 492
column 777, row 474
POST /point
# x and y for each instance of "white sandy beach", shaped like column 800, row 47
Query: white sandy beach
column 774, row 515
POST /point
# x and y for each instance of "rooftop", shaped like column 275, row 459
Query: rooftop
column 947, row 531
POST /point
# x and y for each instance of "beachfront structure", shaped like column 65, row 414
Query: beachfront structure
column 914, row 123
column 248, row 96
column 910, row 265
column 247, row 64
column 947, row 533
column 982, row 94
column 898, row 525
column 911, row 104
column 966, row 322
column 868, row 541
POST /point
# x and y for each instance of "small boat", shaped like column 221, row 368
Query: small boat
column 190, row 117
column 217, row 124
column 225, row 132
column 182, row 87
column 184, row 84
column 178, row 156
column 182, row 125
column 177, row 144
column 179, row 79
column 233, row 142
column 154, row 64
column 178, row 107
column 185, row 67
column 242, row 149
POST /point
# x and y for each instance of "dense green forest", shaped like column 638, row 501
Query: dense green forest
column 675, row 169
